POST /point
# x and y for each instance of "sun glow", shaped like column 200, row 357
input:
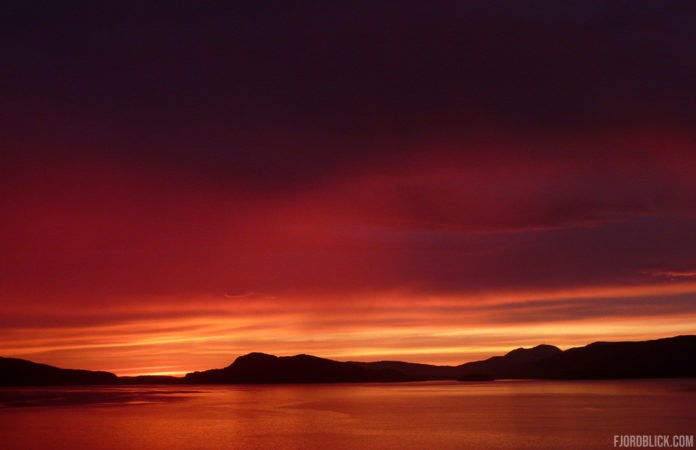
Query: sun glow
column 432, row 329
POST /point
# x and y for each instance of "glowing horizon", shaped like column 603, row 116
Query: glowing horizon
column 442, row 331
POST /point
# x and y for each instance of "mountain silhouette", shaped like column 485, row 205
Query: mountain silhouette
column 501, row 366
column 486, row 369
column 263, row 368
column 414, row 371
column 19, row 372
column 659, row 358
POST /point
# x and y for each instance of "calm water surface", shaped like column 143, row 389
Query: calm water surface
column 431, row 415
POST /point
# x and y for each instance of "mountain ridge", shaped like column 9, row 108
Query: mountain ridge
column 20, row 372
column 260, row 368
column 658, row 358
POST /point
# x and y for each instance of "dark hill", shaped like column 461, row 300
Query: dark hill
column 501, row 366
column 19, row 372
column 660, row 358
column 263, row 368
column 496, row 366
column 414, row 371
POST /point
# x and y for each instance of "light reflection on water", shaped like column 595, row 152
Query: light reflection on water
column 501, row 414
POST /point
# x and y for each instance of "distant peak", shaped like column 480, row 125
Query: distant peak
column 542, row 348
column 257, row 355
column 252, row 358
column 547, row 347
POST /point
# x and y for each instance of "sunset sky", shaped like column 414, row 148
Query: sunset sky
column 186, row 182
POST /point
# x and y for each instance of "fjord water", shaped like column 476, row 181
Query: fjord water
column 501, row 415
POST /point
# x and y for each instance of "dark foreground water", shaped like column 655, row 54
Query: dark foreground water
column 429, row 415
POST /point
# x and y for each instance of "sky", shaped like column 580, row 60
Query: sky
column 439, row 182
